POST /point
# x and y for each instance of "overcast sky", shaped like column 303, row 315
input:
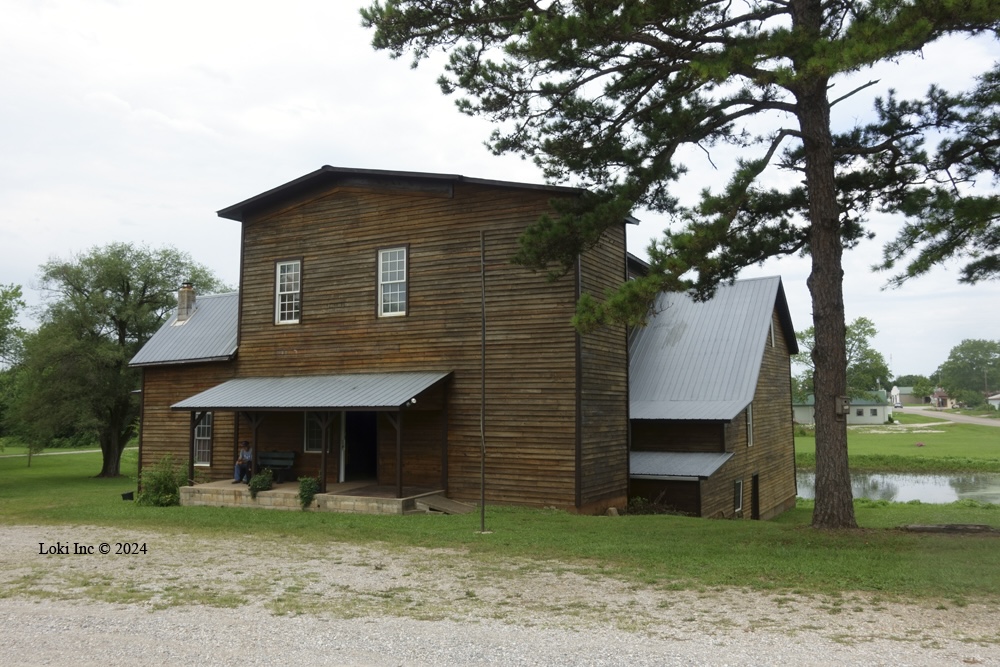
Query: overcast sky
column 132, row 120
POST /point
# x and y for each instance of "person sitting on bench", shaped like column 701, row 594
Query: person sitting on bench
column 244, row 459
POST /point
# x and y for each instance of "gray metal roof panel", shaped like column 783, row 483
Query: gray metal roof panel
column 314, row 392
column 208, row 335
column 327, row 175
column 676, row 464
column 701, row 360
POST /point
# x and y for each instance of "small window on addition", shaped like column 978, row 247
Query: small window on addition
column 860, row 412
column 874, row 412
column 738, row 495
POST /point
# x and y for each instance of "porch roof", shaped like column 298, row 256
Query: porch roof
column 361, row 391
column 657, row 465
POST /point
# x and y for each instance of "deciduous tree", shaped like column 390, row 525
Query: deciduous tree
column 103, row 305
column 603, row 94
column 971, row 366
column 867, row 370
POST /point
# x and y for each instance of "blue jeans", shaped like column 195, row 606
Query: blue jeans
column 241, row 472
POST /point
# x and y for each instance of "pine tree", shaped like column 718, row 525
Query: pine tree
column 603, row 93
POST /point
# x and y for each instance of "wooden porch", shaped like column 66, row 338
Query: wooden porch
column 360, row 497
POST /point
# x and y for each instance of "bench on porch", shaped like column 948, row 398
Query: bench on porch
column 279, row 463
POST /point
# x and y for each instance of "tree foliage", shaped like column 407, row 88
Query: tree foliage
column 605, row 94
column 867, row 370
column 73, row 380
column 910, row 380
column 947, row 215
column 972, row 366
column 11, row 305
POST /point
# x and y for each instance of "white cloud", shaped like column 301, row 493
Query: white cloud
column 137, row 120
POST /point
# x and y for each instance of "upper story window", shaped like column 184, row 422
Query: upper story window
column 392, row 282
column 288, row 291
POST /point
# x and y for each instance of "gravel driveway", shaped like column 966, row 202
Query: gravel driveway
column 272, row 602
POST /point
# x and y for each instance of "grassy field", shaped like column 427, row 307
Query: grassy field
column 781, row 555
column 918, row 444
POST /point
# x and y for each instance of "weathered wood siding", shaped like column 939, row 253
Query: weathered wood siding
column 603, row 378
column 167, row 432
column 661, row 435
column 772, row 455
column 531, row 347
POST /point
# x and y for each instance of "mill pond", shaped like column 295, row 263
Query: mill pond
column 904, row 487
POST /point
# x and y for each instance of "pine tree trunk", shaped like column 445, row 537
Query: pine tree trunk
column 834, row 506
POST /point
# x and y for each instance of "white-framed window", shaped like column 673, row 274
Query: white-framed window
column 313, row 434
column 203, row 441
column 738, row 495
column 287, row 291
column 392, row 282
column 860, row 412
column 750, row 425
column 874, row 412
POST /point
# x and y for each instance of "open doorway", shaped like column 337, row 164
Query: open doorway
column 361, row 438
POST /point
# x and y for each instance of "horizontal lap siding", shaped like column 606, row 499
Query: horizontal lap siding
column 604, row 385
column 165, row 431
column 772, row 455
column 421, row 449
column 530, row 343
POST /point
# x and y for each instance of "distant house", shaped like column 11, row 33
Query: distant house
column 863, row 410
column 994, row 401
column 710, row 390
column 381, row 335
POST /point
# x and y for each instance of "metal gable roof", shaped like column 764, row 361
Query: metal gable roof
column 208, row 335
column 701, row 360
column 314, row 392
column 676, row 464
column 327, row 175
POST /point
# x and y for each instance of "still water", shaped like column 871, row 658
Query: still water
column 983, row 487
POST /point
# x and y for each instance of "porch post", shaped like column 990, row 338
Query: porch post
column 444, row 442
column 255, row 419
column 399, row 453
column 191, row 428
column 397, row 421
column 341, row 473
column 322, row 453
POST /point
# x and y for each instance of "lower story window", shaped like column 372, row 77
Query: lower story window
column 203, row 441
column 314, row 435
column 738, row 495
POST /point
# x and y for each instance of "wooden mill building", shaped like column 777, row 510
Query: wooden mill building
column 382, row 333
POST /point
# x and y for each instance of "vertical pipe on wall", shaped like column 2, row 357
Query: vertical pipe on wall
column 482, row 387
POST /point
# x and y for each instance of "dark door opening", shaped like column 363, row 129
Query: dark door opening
column 361, row 437
column 755, row 497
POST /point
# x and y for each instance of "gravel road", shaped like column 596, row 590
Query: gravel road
column 274, row 602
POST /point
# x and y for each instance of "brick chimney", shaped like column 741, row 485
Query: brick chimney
column 185, row 302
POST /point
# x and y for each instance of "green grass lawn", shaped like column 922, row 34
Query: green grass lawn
column 669, row 551
column 918, row 444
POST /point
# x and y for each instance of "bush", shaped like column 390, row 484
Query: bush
column 262, row 481
column 308, row 488
column 161, row 483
